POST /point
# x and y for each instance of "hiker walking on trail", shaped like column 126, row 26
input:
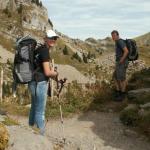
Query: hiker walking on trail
column 39, row 85
column 119, row 75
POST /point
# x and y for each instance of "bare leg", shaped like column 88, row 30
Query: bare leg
column 117, row 85
column 123, row 85
column 118, row 89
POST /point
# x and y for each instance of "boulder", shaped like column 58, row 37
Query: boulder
column 142, row 113
column 2, row 118
column 28, row 106
column 146, row 80
column 131, row 107
column 145, row 106
column 130, row 133
column 139, row 96
column 129, row 116
column 24, row 138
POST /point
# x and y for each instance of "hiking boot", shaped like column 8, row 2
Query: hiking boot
column 117, row 94
column 121, row 97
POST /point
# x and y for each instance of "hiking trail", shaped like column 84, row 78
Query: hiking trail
column 87, row 131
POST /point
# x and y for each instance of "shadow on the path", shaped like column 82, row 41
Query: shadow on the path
column 108, row 128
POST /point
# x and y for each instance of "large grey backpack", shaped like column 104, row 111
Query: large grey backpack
column 24, row 60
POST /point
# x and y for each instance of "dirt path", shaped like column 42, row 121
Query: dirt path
column 93, row 131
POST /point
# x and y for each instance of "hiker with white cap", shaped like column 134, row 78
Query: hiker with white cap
column 39, row 85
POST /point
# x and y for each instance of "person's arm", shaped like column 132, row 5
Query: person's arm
column 49, row 72
column 123, row 46
column 125, row 54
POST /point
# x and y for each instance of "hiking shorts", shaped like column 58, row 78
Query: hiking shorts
column 120, row 71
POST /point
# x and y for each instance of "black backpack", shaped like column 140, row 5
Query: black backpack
column 133, row 49
column 24, row 60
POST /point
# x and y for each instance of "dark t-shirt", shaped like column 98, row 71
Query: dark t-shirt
column 119, row 46
column 41, row 55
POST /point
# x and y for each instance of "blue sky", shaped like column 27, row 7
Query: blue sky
column 97, row 18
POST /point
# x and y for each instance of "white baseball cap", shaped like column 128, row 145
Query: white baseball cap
column 51, row 34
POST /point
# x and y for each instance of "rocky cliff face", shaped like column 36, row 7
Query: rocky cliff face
column 23, row 17
column 35, row 17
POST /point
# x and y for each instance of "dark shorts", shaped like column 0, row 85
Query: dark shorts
column 120, row 71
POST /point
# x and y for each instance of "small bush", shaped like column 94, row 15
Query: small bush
column 6, row 11
column 50, row 23
column 130, row 117
column 91, row 55
column 41, row 4
column 144, row 124
column 25, row 19
column 138, row 79
column 20, row 9
column 102, row 94
column 7, row 89
column 14, row 108
column 65, row 51
column 75, row 100
column 10, row 122
column 85, row 58
column 37, row 2
column 9, row 15
column 33, row 1
column 77, row 57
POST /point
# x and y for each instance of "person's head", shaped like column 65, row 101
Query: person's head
column 115, row 35
column 50, row 38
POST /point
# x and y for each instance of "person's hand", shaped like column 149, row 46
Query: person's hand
column 55, row 73
column 121, row 61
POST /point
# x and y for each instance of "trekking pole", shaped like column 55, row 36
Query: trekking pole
column 62, row 121
column 52, row 83
column 1, row 85
column 62, row 82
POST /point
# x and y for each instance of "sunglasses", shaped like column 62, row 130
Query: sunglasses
column 53, row 38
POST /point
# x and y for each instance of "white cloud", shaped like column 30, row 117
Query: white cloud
column 96, row 18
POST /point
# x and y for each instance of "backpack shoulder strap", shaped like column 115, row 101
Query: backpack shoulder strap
column 39, row 45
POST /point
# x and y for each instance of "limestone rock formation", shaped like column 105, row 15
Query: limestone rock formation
column 23, row 17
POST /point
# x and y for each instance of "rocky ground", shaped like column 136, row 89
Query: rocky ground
column 106, row 65
column 5, row 55
column 89, row 131
column 137, row 113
